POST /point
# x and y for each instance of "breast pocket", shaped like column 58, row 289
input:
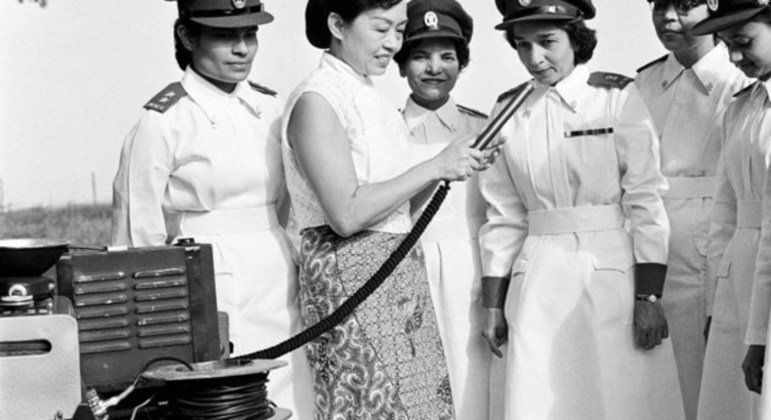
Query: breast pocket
column 592, row 156
column 590, row 148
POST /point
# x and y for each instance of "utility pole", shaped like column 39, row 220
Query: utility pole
column 93, row 187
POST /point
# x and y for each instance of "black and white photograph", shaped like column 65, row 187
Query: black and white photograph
column 385, row 209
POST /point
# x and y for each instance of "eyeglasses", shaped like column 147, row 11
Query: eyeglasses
column 682, row 7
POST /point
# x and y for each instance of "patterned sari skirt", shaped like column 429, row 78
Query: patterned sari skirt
column 385, row 361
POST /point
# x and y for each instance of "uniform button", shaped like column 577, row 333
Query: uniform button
column 664, row 83
column 709, row 87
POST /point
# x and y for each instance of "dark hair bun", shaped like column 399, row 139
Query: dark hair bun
column 316, row 29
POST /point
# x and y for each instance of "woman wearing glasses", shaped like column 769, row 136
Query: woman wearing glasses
column 686, row 92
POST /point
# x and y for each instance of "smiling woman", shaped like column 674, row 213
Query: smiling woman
column 435, row 50
column 351, row 175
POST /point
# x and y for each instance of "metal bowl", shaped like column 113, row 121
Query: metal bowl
column 29, row 257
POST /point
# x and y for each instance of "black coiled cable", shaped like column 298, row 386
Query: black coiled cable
column 517, row 98
column 232, row 398
column 364, row 291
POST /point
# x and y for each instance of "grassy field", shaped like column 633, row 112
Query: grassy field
column 82, row 225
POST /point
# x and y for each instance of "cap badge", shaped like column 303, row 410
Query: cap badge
column 525, row 3
column 431, row 20
column 763, row 2
column 239, row 4
column 713, row 5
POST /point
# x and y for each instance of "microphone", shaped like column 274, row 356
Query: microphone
column 508, row 111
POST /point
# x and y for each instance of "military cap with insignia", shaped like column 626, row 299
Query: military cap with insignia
column 437, row 19
column 724, row 14
column 224, row 13
column 514, row 11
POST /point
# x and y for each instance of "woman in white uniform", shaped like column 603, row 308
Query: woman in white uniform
column 687, row 92
column 204, row 161
column 575, row 295
column 434, row 52
column 739, row 212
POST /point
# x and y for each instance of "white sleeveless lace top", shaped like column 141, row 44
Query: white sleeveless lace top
column 376, row 131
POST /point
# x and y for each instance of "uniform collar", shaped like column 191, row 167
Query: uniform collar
column 570, row 88
column 671, row 71
column 341, row 67
column 707, row 70
column 711, row 69
column 211, row 99
column 761, row 91
column 415, row 114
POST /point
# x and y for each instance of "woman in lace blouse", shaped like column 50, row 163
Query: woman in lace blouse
column 347, row 162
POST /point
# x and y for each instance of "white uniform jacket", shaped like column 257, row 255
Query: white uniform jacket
column 452, row 257
column 206, row 164
column 580, row 158
column 687, row 106
column 736, row 229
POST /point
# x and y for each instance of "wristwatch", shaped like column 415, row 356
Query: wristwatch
column 647, row 298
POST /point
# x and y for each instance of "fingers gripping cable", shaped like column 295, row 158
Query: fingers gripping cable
column 342, row 312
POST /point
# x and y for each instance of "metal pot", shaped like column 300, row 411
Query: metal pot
column 29, row 257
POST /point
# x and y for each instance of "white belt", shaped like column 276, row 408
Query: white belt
column 575, row 219
column 749, row 214
column 227, row 221
column 691, row 187
column 452, row 229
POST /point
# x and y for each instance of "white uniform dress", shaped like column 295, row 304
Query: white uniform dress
column 687, row 106
column 580, row 158
column 734, row 233
column 452, row 257
column 209, row 167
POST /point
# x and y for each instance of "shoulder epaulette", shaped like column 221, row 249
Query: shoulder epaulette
column 471, row 111
column 166, row 98
column 656, row 61
column 511, row 92
column 262, row 89
column 743, row 91
column 609, row 80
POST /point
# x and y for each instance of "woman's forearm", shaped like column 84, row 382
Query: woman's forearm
column 371, row 203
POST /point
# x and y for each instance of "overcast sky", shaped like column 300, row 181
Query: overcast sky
column 75, row 75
